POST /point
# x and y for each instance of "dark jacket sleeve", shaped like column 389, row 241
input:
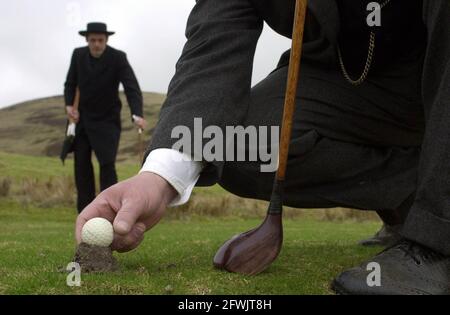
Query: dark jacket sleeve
column 71, row 81
column 428, row 222
column 213, row 75
column 131, row 86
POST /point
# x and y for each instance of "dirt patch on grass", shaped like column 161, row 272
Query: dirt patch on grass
column 5, row 187
column 95, row 259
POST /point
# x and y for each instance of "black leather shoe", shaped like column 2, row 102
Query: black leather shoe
column 406, row 268
column 387, row 236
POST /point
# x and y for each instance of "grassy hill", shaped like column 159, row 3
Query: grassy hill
column 37, row 127
column 31, row 135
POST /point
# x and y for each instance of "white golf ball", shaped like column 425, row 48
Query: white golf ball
column 97, row 232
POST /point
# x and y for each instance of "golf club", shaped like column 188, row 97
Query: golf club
column 252, row 252
column 141, row 145
column 140, row 142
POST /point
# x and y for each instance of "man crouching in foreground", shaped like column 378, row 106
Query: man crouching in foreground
column 368, row 133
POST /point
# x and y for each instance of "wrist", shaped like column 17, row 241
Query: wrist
column 164, row 188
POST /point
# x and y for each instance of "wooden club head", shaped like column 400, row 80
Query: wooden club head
column 252, row 252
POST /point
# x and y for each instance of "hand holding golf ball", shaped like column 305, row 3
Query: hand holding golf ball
column 97, row 232
column 133, row 206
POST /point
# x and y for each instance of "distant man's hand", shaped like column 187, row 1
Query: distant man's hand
column 140, row 122
column 133, row 206
column 72, row 114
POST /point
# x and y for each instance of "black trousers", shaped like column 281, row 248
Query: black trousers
column 327, row 171
column 324, row 172
column 84, row 171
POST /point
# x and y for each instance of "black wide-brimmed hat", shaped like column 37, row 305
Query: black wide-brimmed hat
column 96, row 27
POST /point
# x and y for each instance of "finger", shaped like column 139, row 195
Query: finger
column 98, row 208
column 126, row 217
column 131, row 240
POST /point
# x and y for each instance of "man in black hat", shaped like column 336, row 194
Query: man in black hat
column 97, row 70
column 371, row 129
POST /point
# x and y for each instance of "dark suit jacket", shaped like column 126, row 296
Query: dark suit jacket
column 213, row 75
column 100, row 105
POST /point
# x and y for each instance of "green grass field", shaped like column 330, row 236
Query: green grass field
column 36, row 243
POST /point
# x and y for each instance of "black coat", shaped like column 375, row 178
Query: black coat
column 329, row 22
column 100, row 105
column 214, row 73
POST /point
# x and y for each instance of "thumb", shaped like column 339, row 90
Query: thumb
column 126, row 218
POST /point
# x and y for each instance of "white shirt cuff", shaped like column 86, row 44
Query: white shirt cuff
column 177, row 168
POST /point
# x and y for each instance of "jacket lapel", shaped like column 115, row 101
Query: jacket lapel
column 103, row 62
column 92, row 73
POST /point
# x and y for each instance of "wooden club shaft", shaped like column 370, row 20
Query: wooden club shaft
column 292, row 83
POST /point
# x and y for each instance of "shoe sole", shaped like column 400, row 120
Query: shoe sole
column 338, row 289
